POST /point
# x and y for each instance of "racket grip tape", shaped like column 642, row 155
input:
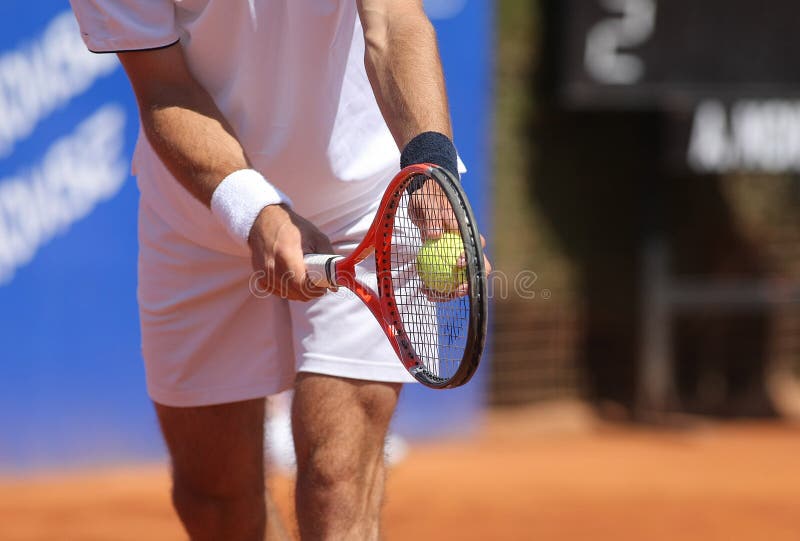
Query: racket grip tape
column 321, row 269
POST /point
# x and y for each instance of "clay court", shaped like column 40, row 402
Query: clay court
column 550, row 473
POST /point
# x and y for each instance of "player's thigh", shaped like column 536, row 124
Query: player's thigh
column 338, row 416
column 216, row 450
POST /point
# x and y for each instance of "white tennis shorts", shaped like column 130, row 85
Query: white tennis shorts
column 207, row 339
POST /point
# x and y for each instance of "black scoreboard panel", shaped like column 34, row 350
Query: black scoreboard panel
column 659, row 53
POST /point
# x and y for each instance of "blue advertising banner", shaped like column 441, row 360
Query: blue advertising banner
column 72, row 382
column 72, row 386
column 464, row 30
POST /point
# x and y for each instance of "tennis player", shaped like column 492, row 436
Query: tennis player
column 269, row 129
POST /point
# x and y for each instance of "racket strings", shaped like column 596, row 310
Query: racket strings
column 429, row 279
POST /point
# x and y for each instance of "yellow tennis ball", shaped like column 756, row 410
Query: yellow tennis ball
column 437, row 263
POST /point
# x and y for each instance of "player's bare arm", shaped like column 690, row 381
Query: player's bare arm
column 405, row 71
column 198, row 146
column 402, row 62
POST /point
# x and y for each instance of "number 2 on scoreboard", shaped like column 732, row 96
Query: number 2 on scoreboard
column 603, row 57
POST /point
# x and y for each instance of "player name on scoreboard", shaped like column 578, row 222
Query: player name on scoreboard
column 745, row 135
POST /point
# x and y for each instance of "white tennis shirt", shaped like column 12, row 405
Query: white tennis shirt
column 287, row 74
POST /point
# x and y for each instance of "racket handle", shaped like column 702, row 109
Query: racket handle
column 321, row 269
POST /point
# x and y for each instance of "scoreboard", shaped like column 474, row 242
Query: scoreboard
column 726, row 73
column 663, row 54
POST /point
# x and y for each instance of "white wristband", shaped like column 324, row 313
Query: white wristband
column 239, row 198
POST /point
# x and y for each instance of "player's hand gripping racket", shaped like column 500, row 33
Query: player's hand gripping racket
column 429, row 289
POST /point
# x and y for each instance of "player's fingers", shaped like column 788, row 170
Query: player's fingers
column 487, row 264
column 433, row 295
column 304, row 290
column 315, row 276
column 461, row 262
column 295, row 285
column 301, row 287
column 439, row 296
column 444, row 221
column 289, row 273
column 414, row 211
column 430, row 228
column 443, row 296
column 263, row 281
column 449, row 221
column 294, row 282
column 259, row 285
column 433, row 229
column 309, row 290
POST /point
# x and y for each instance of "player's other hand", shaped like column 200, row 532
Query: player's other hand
column 278, row 240
column 462, row 289
column 430, row 210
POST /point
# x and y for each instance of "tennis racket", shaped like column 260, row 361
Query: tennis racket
column 435, row 319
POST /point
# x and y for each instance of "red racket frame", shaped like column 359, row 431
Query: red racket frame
column 378, row 241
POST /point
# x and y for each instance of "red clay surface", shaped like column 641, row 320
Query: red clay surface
column 527, row 476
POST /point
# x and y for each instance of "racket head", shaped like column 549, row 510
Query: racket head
column 436, row 319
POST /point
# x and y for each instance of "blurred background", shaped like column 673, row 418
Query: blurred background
column 649, row 150
column 634, row 165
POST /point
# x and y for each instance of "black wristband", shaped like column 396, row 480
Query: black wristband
column 430, row 147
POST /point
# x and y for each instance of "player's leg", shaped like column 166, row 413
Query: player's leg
column 218, row 469
column 207, row 339
column 346, row 391
column 339, row 430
